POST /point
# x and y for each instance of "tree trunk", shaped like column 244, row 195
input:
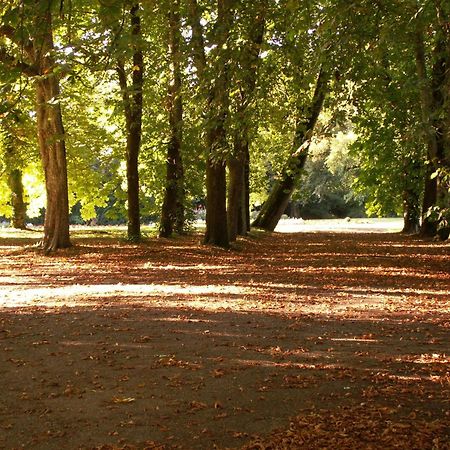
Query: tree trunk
column 428, row 227
column 217, row 101
column 132, row 101
column 51, row 135
column 53, row 155
column 38, row 62
column 216, row 184
column 281, row 192
column 238, row 163
column 244, row 228
column 172, row 213
column 19, row 207
column 411, row 212
column 236, row 196
column 433, row 99
column 216, row 216
column 17, row 202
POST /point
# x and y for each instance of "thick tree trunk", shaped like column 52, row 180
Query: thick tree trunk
column 217, row 100
column 53, row 154
column 216, row 184
column 433, row 101
column 18, row 204
column 132, row 101
column 281, row 192
column 51, row 135
column 38, row 62
column 172, row 213
column 238, row 163
column 134, row 218
column 216, row 216
column 244, row 227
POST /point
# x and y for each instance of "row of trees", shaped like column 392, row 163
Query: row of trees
column 218, row 95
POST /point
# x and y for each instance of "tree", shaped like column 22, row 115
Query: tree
column 172, row 213
column 32, row 52
column 281, row 192
column 434, row 98
column 401, row 86
column 244, row 82
column 214, row 80
column 12, row 167
column 132, row 105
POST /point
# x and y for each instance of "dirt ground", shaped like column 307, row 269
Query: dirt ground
column 308, row 340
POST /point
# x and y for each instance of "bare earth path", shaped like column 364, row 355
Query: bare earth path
column 310, row 340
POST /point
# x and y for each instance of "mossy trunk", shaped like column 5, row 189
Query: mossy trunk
column 18, row 204
column 14, row 179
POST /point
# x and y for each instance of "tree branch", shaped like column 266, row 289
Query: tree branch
column 10, row 33
column 120, row 69
column 197, row 41
column 12, row 63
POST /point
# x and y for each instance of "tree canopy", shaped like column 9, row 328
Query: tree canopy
column 133, row 111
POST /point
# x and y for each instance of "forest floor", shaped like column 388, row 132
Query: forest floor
column 330, row 340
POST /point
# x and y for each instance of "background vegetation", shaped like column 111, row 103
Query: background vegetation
column 226, row 84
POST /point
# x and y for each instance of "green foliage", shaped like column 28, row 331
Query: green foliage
column 367, row 46
column 326, row 188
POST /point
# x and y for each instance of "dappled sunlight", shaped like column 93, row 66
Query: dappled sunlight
column 354, row 339
column 179, row 333
column 80, row 295
column 187, row 266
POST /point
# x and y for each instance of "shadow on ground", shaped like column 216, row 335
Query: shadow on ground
column 184, row 346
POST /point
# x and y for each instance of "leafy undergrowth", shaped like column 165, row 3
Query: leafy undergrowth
column 309, row 341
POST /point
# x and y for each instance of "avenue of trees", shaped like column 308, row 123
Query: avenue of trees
column 142, row 109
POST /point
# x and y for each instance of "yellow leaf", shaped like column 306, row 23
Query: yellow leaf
column 123, row 399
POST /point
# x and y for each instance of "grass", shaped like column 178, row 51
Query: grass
column 151, row 230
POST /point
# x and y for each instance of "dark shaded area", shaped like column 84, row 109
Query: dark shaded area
column 239, row 342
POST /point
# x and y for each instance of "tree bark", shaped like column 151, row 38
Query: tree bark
column 238, row 162
column 53, row 155
column 433, row 98
column 281, row 192
column 51, row 134
column 236, row 193
column 411, row 212
column 133, row 101
column 217, row 106
column 428, row 227
column 172, row 213
column 38, row 62
column 18, row 204
column 14, row 180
